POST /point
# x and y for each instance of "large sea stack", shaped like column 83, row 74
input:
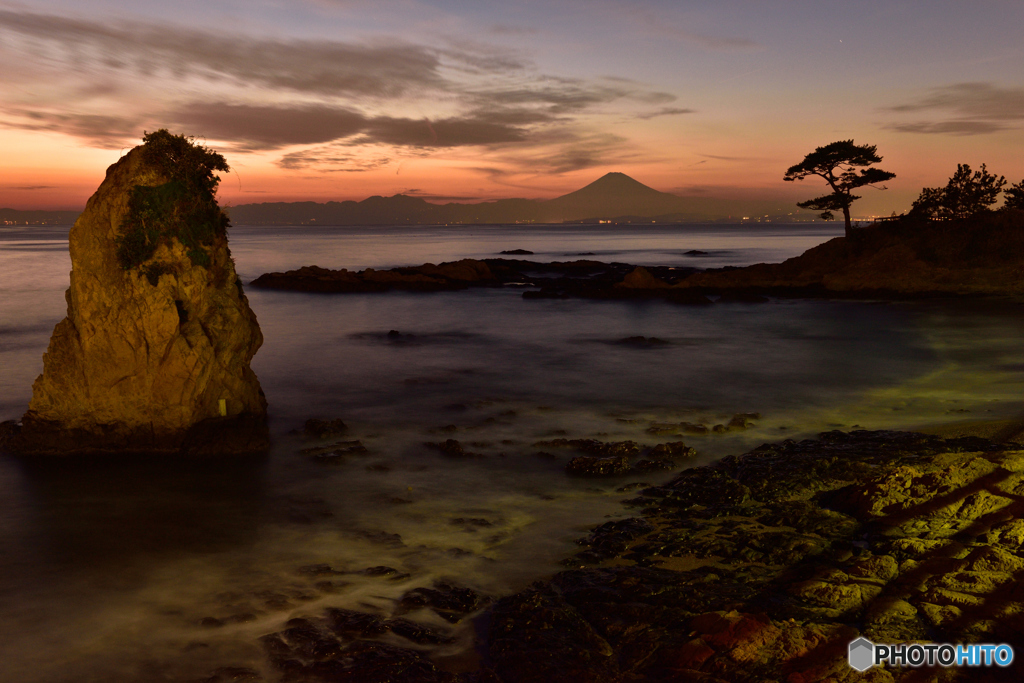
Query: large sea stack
column 153, row 356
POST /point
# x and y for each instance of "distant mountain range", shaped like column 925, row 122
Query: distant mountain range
column 614, row 197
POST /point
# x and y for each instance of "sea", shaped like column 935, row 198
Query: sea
column 137, row 570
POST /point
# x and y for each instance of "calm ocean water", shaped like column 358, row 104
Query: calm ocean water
column 109, row 567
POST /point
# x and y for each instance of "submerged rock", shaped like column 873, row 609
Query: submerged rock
column 154, row 353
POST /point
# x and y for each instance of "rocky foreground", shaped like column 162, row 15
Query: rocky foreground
column 761, row 567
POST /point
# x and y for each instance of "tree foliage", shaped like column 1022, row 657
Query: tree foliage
column 183, row 208
column 845, row 166
column 1015, row 197
column 966, row 194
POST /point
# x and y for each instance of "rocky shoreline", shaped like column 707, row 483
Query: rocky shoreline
column 902, row 259
column 760, row 567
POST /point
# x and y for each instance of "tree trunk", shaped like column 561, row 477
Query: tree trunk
column 849, row 225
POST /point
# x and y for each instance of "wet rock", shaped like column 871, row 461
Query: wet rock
column 452, row 449
column 450, row 602
column 626, row 449
column 471, row 521
column 335, row 453
column 641, row 278
column 672, row 450
column 429, row 277
column 742, row 420
column 780, row 557
column 382, row 570
column 421, row 635
column 318, row 570
column 641, row 466
column 588, row 466
column 536, row 636
column 353, row 624
column 323, row 429
column 611, row 539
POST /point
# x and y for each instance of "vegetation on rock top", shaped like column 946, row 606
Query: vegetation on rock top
column 183, row 208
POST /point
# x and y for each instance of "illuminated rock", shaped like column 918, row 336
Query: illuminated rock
column 154, row 353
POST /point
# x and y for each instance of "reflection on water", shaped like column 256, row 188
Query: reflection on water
column 145, row 570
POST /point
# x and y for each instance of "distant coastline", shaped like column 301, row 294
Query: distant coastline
column 13, row 217
column 614, row 198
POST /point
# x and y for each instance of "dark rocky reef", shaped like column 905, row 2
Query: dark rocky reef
column 763, row 567
column 555, row 280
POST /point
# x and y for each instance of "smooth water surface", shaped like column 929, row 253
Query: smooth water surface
column 110, row 567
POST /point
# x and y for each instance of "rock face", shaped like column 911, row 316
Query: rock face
column 153, row 355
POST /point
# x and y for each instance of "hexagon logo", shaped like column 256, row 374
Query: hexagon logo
column 862, row 654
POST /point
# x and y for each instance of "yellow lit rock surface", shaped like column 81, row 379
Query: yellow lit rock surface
column 143, row 366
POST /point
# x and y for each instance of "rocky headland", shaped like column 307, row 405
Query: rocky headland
column 154, row 353
column 903, row 258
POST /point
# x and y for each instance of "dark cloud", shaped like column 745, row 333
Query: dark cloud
column 30, row 188
column 256, row 127
column 101, row 130
column 975, row 109
column 450, row 132
column 264, row 128
column 665, row 111
column 320, row 67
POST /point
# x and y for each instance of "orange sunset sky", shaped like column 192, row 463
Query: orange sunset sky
column 468, row 101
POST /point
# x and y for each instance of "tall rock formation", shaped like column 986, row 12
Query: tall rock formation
column 153, row 356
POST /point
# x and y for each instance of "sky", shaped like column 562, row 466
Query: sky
column 459, row 100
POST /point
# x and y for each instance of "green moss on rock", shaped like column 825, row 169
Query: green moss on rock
column 183, row 208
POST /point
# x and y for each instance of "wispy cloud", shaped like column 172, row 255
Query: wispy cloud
column 964, row 109
column 331, row 159
column 665, row 111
